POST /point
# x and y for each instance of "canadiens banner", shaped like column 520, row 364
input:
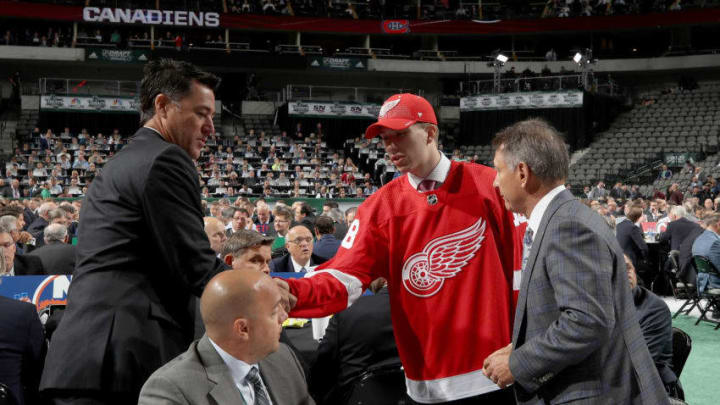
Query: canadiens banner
column 510, row 101
column 330, row 110
column 89, row 104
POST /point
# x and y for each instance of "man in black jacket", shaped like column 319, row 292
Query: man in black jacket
column 23, row 343
column 57, row 255
column 142, row 252
column 630, row 236
column 356, row 339
column 678, row 229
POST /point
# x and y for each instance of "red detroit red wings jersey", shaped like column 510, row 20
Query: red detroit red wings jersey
column 449, row 256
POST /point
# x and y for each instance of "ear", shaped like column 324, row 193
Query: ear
column 162, row 102
column 523, row 173
column 432, row 132
column 241, row 329
column 228, row 259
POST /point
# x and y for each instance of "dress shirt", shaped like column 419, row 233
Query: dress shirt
column 540, row 208
column 298, row 267
column 438, row 174
column 239, row 371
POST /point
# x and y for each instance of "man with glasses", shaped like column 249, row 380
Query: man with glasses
column 283, row 216
column 300, row 257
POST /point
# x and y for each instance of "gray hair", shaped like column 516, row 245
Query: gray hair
column 244, row 239
column 537, row 144
column 45, row 207
column 679, row 211
column 55, row 233
column 336, row 215
column 8, row 223
column 228, row 212
column 55, row 214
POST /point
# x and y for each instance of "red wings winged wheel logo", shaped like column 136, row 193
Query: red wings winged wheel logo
column 425, row 272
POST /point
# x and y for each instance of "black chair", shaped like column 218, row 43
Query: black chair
column 711, row 295
column 671, row 270
column 382, row 385
column 692, row 298
column 682, row 344
column 6, row 397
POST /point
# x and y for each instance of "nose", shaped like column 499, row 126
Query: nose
column 210, row 124
column 283, row 316
column 495, row 181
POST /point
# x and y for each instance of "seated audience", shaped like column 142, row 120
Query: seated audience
column 22, row 349
column 327, row 244
column 355, row 340
column 239, row 359
column 708, row 245
column 300, row 257
column 248, row 250
column 57, row 255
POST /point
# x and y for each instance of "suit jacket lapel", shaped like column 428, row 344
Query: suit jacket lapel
column 268, row 373
column 223, row 390
column 555, row 204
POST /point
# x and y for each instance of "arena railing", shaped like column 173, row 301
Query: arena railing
column 60, row 86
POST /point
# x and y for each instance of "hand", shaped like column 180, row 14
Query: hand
column 288, row 300
column 25, row 237
column 497, row 367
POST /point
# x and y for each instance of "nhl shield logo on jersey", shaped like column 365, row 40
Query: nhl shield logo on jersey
column 425, row 272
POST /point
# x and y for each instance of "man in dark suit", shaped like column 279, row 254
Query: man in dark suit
column 142, row 251
column 34, row 189
column 22, row 348
column 356, row 339
column 678, row 229
column 57, row 255
column 327, row 244
column 686, row 272
column 300, row 257
column 239, row 360
column 630, row 236
column 576, row 337
column 263, row 220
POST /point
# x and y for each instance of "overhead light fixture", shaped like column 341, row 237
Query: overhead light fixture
column 501, row 58
column 577, row 58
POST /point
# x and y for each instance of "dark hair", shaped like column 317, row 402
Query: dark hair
column 331, row 204
column 635, row 213
column 306, row 209
column 171, row 78
column 537, row 144
column 325, row 225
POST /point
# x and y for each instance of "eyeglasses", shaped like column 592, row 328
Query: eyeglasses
column 298, row 241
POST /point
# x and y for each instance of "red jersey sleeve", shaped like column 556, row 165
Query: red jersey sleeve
column 336, row 284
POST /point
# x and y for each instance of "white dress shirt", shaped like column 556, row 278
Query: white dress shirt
column 438, row 174
column 298, row 267
column 540, row 208
column 239, row 371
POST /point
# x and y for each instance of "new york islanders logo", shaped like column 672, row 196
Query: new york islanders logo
column 425, row 272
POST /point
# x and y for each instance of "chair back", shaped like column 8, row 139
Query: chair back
column 704, row 265
column 682, row 344
column 383, row 385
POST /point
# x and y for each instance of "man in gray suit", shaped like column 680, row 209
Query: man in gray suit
column 239, row 359
column 576, row 338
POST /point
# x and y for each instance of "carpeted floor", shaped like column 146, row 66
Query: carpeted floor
column 701, row 376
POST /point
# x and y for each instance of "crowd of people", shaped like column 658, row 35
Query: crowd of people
column 506, row 260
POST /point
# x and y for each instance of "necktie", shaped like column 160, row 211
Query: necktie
column 253, row 378
column 527, row 245
column 426, row 185
column 303, row 270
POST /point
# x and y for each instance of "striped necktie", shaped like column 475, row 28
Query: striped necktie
column 527, row 245
column 253, row 378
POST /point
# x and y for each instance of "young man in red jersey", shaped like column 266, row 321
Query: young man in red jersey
column 449, row 249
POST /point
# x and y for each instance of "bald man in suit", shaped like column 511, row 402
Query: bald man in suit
column 239, row 359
